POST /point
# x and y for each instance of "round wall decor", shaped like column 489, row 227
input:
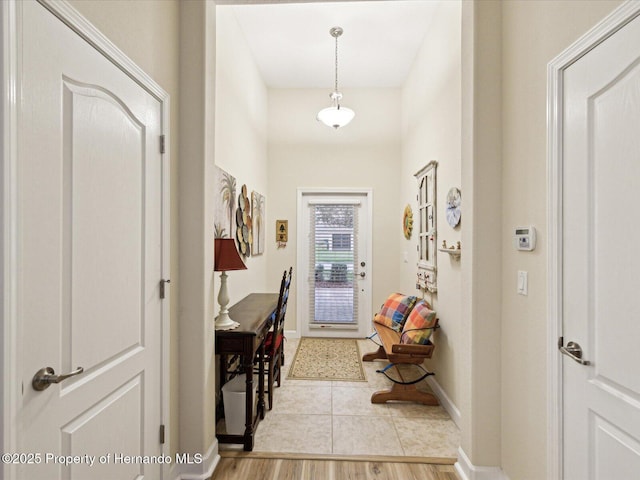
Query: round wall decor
column 453, row 207
column 244, row 233
column 407, row 222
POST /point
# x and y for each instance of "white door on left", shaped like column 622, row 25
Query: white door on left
column 89, row 196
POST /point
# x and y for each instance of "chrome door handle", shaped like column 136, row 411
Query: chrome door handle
column 46, row 376
column 574, row 352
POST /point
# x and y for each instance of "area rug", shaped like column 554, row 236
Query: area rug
column 327, row 359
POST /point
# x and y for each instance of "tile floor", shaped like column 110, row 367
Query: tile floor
column 324, row 417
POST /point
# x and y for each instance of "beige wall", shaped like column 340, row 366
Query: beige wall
column 533, row 34
column 479, row 349
column 241, row 137
column 431, row 119
column 147, row 31
column 196, row 359
column 364, row 154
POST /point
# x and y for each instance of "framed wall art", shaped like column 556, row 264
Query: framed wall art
column 258, row 217
column 224, row 220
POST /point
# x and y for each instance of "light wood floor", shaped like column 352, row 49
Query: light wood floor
column 236, row 468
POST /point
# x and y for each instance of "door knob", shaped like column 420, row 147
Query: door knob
column 362, row 274
column 574, row 352
column 46, row 376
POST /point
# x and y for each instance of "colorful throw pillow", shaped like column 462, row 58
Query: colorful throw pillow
column 419, row 324
column 395, row 311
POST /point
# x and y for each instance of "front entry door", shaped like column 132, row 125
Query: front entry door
column 89, row 195
column 335, row 264
column 600, row 265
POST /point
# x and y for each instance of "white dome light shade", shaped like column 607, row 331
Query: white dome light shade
column 335, row 117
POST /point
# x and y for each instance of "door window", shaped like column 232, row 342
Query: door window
column 333, row 256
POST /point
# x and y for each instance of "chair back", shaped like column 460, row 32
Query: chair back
column 281, row 310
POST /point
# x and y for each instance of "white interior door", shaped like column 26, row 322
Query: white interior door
column 600, row 280
column 89, row 260
column 335, row 261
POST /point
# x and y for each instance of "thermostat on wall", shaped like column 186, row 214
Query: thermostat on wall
column 525, row 238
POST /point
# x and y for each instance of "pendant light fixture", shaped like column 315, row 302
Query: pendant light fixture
column 335, row 116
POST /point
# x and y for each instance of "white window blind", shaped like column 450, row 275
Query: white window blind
column 333, row 259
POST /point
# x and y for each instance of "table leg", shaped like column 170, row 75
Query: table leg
column 223, row 379
column 248, row 433
column 261, row 407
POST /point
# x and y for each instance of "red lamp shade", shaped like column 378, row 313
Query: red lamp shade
column 226, row 256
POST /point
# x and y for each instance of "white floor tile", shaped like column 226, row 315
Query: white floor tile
column 360, row 435
column 294, row 434
column 323, row 417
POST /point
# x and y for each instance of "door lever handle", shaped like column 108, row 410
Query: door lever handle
column 46, row 376
column 574, row 352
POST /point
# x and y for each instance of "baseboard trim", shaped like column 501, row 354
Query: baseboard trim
column 197, row 471
column 291, row 334
column 446, row 402
column 468, row 471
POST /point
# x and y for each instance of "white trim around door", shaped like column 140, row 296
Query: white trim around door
column 555, row 96
column 302, row 310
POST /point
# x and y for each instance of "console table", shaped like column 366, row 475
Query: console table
column 254, row 314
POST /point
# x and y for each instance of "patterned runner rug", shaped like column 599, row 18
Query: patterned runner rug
column 327, row 359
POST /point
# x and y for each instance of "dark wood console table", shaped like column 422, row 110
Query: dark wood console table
column 254, row 314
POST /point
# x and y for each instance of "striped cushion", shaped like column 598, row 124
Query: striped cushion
column 419, row 324
column 395, row 310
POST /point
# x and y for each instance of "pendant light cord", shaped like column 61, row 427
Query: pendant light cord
column 336, row 89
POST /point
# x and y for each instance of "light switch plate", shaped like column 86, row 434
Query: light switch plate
column 523, row 282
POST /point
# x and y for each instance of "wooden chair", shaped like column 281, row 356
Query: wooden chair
column 274, row 341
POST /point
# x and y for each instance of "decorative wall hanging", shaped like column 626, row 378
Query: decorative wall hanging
column 225, row 205
column 453, row 207
column 454, row 251
column 244, row 234
column 407, row 222
column 282, row 232
column 427, row 270
column 258, row 218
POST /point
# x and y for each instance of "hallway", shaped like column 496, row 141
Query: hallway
column 338, row 418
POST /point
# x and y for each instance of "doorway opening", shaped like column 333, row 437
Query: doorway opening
column 334, row 228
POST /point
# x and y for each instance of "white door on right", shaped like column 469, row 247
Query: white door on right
column 600, row 260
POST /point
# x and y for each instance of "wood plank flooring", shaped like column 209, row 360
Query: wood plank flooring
column 236, row 468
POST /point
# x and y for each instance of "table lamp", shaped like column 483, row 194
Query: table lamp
column 226, row 259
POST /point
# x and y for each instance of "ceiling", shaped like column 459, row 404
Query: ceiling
column 292, row 47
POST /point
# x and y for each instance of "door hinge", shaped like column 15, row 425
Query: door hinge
column 162, row 434
column 162, row 147
column 163, row 282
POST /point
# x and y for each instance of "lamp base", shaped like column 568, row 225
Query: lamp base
column 224, row 322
